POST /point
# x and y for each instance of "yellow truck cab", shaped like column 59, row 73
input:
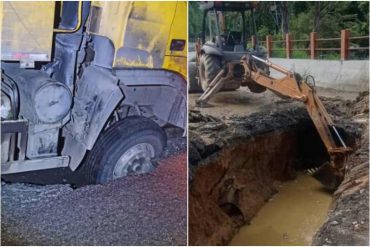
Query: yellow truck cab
column 91, row 85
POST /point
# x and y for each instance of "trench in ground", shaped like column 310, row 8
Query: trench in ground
column 291, row 217
column 234, row 196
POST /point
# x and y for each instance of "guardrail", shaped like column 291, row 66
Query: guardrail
column 313, row 45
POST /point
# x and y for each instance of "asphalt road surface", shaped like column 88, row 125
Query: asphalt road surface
column 146, row 209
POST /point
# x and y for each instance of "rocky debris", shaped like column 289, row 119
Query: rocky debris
column 205, row 123
column 149, row 209
column 23, row 195
column 361, row 104
column 174, row 146
column 196, row 116
column 195, row 150
column 348, row 222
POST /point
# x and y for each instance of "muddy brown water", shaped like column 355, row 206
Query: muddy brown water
column 291, row 217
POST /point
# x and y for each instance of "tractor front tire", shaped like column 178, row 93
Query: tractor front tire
column 127, row 147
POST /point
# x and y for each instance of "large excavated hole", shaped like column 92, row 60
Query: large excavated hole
column 231, row 186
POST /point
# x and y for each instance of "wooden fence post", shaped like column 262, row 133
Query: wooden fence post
column 269, row 45
column 313, row 45
column 253, row 41
column 288, row 45
column 344, row 44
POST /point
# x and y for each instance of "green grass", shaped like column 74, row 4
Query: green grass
column 300, row 55
column 278, row 54
column 330, row 56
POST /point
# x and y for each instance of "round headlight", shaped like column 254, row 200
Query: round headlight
column 52, row 102
column 6, row 107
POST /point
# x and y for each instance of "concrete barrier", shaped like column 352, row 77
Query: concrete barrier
column 350, row 75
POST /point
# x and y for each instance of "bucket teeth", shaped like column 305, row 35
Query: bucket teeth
column 326, row 175
column 312, row 171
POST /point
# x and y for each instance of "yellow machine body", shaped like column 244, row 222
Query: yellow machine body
column 142, row 32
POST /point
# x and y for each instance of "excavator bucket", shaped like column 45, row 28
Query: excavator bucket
column 326, row 175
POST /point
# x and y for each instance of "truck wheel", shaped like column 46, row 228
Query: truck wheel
column 209, row 67
column 193, row 81
column 127, row 147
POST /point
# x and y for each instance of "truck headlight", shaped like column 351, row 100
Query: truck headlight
column 6, row 107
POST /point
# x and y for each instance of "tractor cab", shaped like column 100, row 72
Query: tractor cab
column 226, row 28
column 227, row 25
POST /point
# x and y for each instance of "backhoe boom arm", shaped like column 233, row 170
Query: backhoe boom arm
column 293, row 86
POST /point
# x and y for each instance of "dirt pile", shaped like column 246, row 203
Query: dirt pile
column 236, row 163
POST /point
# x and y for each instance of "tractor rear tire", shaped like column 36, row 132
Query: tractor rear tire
column 193, row 81
column 127, row 147
column 209, row 67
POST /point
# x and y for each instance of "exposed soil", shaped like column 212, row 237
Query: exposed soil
column 237, row 162
column 242, row 102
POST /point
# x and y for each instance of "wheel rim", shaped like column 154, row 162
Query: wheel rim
column 136, row 160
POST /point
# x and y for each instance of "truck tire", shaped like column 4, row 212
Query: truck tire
column 127, row 147
column 193, row 80
column 209, row 67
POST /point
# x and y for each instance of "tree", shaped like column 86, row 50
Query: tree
column 321, row 9
column 300, row 18
column 194, row 20
column 284, row 18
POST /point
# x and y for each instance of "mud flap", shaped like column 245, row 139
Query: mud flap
column 164, row 91
column 97, row 95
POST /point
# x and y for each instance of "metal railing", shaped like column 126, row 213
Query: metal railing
column 345, row 46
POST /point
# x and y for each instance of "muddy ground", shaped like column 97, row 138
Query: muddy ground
column 228, row 186
column 148, row 209
column 242, row 102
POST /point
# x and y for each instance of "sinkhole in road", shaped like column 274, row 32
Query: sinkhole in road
column 234, row 195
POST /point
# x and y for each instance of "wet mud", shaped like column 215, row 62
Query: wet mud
column 291, row 217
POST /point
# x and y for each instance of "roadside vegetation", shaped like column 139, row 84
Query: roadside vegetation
column 300, row 18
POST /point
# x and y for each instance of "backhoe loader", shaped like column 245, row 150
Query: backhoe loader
column 250, row 68
column 91, row 85
column 226, row 27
